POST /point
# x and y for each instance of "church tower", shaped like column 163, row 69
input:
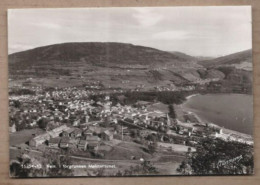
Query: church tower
column 168, row 120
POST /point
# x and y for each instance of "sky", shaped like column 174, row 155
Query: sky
column 198, row 31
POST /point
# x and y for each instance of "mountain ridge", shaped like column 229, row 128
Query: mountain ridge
column 121, row 65
column 234, row 58
column 97, row 52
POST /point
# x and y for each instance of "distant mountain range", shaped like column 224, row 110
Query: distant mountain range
column 185, row 56
column 117, row 65
column 230, row 60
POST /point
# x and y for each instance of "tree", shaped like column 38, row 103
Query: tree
column 134, row 133
column 152, row 137
column 148, row 168
column 16, row 170
column 21, row 125
column 119, row 173
column 17, row 104
column 172, row 113
column 215, row 156
column 152, row 147
column 185, row 168
column 21, row 168
column 145, row 168
column 59, row 161
column 42, row 123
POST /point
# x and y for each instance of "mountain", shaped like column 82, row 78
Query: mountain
column 184, row 56
column 204, row 58
column 241, row 59
column 236, row 70
column 192, row 58
column 117, row 65
column 104, row 54
column 114, row 64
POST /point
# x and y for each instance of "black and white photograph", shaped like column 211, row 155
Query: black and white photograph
column 130, row 91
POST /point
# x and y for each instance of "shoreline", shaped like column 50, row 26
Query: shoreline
column 190, row 96
column 201, row 121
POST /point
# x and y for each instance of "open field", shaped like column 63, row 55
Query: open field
column 127, row 150
column 175, row 147
column 158, row 106
column 23, row 136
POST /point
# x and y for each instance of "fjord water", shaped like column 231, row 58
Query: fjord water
column 232, row 111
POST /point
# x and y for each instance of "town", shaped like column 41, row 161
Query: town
column 97, row 127
column 130, row 91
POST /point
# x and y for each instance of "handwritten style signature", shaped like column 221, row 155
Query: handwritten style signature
column 222, row 163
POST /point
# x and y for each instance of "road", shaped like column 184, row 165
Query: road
column 102, row 160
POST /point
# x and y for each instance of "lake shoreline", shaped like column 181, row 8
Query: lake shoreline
column 202, row 121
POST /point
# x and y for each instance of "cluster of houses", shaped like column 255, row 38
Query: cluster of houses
column 65, row 137
column 89, row 133
column 75, row 111
column 67, row 93
column 172, row 87
column 84, row 123
column 86, row 134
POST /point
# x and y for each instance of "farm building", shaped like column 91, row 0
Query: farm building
column 87, row 133
column 92, row 138
column 36, row 141
column 93, row 142
column 82, row 144
column 12, row 129
column 76, row 133
column 93, row 146
column 64, row 143
column 54, row 142
column 68, row 132
column 107, row 135
column 57, row 131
